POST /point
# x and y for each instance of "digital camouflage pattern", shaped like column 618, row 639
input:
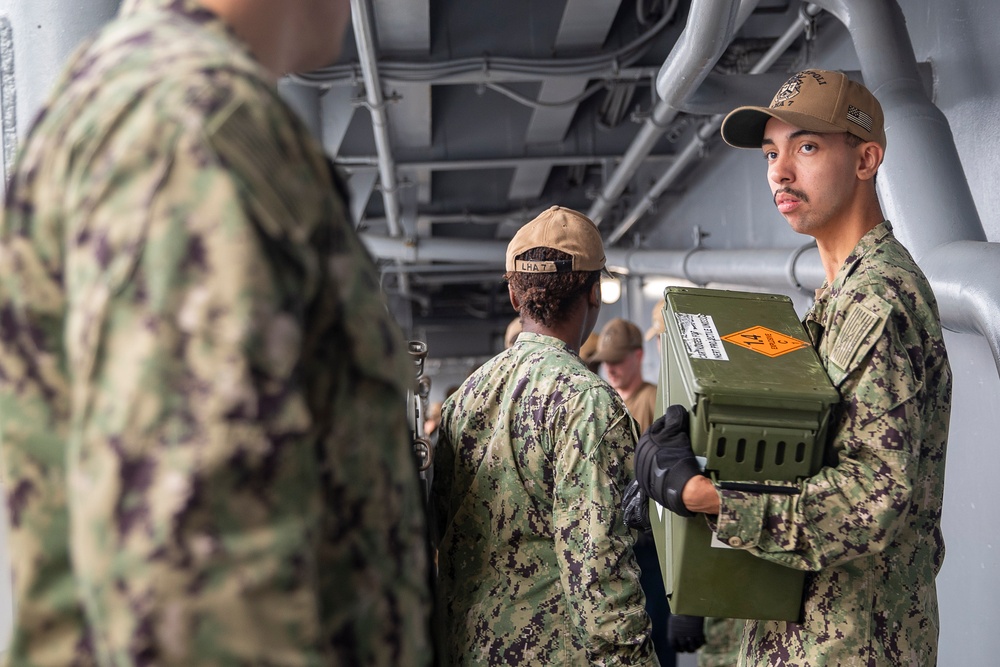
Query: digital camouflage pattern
column 202, row 394
column 868, row 526
column 535, row 562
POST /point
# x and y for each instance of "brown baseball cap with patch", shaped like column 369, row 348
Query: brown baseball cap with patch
column 618, row 338
column 816, row 100
column 561, row 229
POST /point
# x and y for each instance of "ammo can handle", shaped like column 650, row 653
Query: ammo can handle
column 758, row 488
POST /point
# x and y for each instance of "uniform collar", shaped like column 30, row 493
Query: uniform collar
column 544, row 339
column 867, row 245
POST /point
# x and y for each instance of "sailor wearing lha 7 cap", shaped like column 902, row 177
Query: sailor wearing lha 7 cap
column 535, row 562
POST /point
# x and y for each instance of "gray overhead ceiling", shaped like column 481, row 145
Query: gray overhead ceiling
column 494, row 111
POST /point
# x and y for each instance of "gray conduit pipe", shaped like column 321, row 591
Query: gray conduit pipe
column 776, row 268
column 435, row 249
column 364, row 35
column 966, row 280
column 709, row 29
column 923, row 185
column 707, row 131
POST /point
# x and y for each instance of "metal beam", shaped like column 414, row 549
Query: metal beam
column 364, row 37
column 364, row 162
column 404, row 29
column 585, row 25
column 336, row 112
column 710, row 27
column 404, row 26
column 711, row 127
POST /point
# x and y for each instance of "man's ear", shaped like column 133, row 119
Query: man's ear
column 869, row 159
column 513, row 298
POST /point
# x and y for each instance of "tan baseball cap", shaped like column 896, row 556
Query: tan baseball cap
column 561, row 229
column 816, row 100
column 617, row 339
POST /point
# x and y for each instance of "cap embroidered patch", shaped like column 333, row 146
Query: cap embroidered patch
column 813, row 100
column 856, row 115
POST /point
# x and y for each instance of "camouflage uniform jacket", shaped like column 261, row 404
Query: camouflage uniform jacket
column 202, row 394
column 868, row 525
column 535, row 563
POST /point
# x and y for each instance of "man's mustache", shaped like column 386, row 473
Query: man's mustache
column 801, row 196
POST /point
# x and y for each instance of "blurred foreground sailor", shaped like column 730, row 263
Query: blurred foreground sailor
column 202, row 394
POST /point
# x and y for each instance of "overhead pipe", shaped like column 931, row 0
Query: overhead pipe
column 364, row 35
column 355, row 162
column 495, row 277
column 680, row 75
column 776, row 268
column 708, row 130
column 936, row 219
column 462, row 269
column 720, row 93
column 940, row 205
column 435, row 249
column 965, row 276
column 710, row 27
column 923, row 186
column 798, row 268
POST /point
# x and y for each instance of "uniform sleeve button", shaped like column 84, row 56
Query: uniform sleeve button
column 735, row 542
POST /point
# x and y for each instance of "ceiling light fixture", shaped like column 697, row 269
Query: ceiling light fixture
column 611, row 289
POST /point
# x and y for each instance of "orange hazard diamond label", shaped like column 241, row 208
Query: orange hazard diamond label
column 766, row 341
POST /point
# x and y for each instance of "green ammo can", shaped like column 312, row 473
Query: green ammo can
column 759, row 401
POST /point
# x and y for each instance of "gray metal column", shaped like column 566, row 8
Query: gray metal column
column 44, row 34
column 923, row 188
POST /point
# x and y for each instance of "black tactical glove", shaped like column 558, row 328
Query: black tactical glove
column 635, row 506
column 686, row 634
column 664, row 460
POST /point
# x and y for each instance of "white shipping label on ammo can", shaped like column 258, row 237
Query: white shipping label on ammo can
column 700, row 336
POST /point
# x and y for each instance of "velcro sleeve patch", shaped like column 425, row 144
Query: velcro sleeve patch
column 857, row 325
